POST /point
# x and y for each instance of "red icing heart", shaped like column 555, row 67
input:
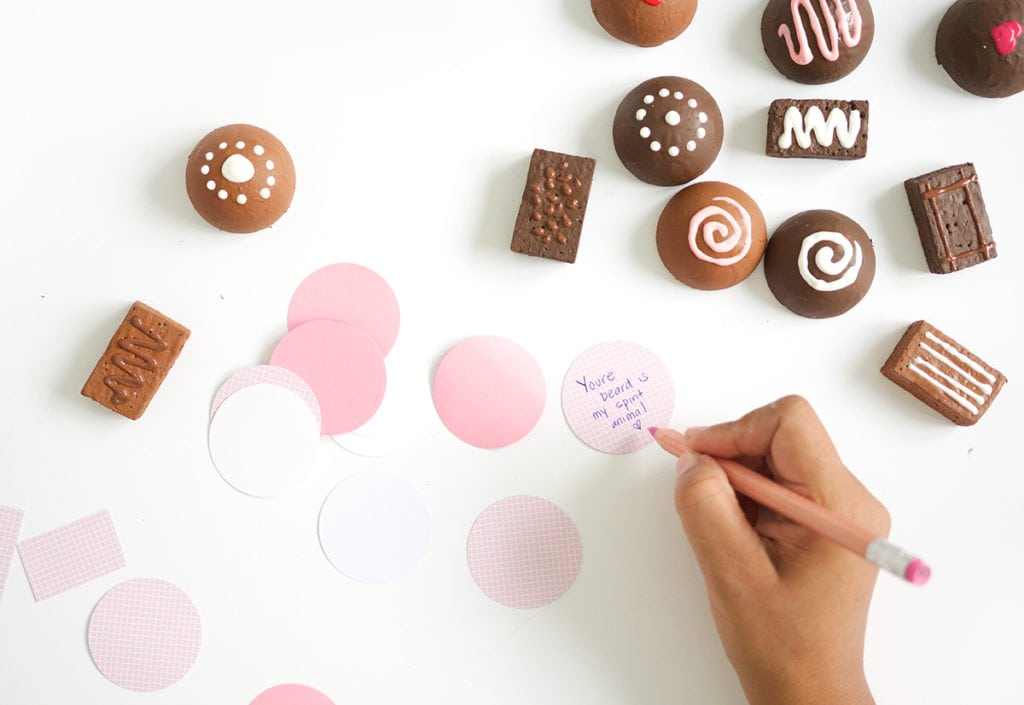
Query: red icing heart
column 1006, row 36
column 653, row 2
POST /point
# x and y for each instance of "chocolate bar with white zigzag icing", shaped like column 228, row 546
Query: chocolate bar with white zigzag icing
column 822, row 129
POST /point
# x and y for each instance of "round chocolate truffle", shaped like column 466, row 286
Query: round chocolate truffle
column 711, row 235
column 979, row 44
column 668, row 131
column 646, row 23
column 819, row 264
column 240, row 178
column 817, row 41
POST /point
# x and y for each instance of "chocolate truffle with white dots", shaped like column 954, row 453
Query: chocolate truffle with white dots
column 240, row 178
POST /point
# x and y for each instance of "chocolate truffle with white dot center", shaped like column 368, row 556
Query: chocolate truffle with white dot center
column 240, row 178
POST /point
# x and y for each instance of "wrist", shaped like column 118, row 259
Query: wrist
column 811, row 687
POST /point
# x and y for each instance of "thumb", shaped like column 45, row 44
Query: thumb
column 731, row 554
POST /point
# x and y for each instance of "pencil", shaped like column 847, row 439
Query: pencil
column 803, row 511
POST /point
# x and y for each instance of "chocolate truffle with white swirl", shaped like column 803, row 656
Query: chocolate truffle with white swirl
column 668, row 131
column 711, row 235
column 240, row 178
column 819, row 264
column 817, row 41
column 646, row 23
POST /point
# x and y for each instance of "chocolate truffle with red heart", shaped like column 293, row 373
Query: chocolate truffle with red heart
column 979, row 44
column 646, row 23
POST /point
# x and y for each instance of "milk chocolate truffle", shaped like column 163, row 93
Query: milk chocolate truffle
column 817, row 41
column 979, row 44
column 668, row 131
column 646, row 23
column 819, row 264
column 711, row 235
column 240, row 178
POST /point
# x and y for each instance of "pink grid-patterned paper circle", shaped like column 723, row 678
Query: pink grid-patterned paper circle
column 267, row 374
column 614, row 392
column 524, row 552
column 145, row 634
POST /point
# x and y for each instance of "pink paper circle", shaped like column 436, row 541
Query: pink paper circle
column 291, row 694
column 145, row 634
column 348, row 293
column 267, row 374
column 524, row 552
column 614, row 392
column 342, row 365
column 489, row 392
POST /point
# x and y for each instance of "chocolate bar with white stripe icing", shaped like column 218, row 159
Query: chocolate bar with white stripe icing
column 822, row 129
column 943, row 374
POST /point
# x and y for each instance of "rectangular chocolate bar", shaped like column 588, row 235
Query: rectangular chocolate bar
column 550, row 219
column 951, row 218
column 140, row 354
column 943, row 374
column 822, row 129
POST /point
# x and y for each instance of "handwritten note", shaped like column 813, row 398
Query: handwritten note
column 613, row 393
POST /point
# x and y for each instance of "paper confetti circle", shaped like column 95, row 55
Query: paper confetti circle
column 145, row 634
column 614, row 392
column 266, row 374
column 524, row 552
column 291, row 694
column 374, row 527
column 489, row 392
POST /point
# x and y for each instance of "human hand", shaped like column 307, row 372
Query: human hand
column 790, row 606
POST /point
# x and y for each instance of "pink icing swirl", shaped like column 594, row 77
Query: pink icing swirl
column 724, row 236
column 848, row 27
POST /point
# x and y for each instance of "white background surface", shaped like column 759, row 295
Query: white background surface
column 411, row 125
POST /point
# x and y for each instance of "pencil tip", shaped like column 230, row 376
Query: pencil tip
column 652, row 430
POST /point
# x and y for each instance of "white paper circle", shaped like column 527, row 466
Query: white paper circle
column 374, row 527
column 264, row 440
column 400, row 422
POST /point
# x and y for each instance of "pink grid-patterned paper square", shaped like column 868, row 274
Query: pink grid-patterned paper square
column 10, row 527
column 71, row 555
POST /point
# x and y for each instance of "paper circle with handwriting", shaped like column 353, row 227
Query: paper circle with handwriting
column 344, row 367
column 348, row 293
column 291, row 694
column 489, row 392
column 524, row 552
column 145, row 634
column 266, row 374
column 374, row 527
column 614, row 392
column 264, row 440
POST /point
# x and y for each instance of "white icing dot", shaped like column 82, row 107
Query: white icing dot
column 239, row 144
column 703, row 117
column 264, row 193
column 641, row 114
column 209, row 156
column 204, row 169
column 664, row 92
column 645, row 132
column 701, row 133
column 237, row 169
column 270, row 165
column 222, row 195
column 258, row 150
column 678, row 95
column 211, row 185
column 692, row 103
column 241, row 199
column 673, row 118
column 655, row 146
column 691, row 146
column 673, row 151
column 648, row 99
column 271, row 181
column 223, row 145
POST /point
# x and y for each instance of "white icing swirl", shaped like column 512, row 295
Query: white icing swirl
column 839, row 260
column 725, row 233
column 825, row 131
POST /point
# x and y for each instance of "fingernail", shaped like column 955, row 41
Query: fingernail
column 686, row 462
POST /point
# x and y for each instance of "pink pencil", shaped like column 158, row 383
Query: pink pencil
column 803, row 511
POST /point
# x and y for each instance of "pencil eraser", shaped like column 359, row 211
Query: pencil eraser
column 918, row 572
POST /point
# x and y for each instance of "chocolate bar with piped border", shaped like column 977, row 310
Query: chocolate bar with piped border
column 137, row 359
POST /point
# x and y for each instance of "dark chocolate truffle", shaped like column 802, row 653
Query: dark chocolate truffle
column 979, row 44
column 711, row 235
column 240, row 178
column 646, row 23
column 819, row 264
column 668, row 131
column 817, row 41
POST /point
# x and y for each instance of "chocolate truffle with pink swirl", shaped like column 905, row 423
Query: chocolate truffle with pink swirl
column 817, row 41
column 819, row 264
column 711, row 235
